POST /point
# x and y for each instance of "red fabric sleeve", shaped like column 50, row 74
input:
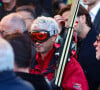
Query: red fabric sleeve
column 74, row 77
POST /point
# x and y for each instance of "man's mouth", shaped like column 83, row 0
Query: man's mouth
column 38, row 46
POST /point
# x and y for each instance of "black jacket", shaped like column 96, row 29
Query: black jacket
column 87, row 59
column 9, row 81
column 97, row 22
column 37, row 81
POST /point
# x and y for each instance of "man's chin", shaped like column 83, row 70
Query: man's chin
column 85, row 2
column 98, row 57
column 40, row 51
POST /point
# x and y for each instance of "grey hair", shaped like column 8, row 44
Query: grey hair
column 19, row 22
column 46, row 23
column 6, row 56
column 16, row 22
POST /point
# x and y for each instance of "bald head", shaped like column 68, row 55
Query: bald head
column 12, row 23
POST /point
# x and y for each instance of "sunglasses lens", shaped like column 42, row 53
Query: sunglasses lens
column 42, row 36
column 39, row 36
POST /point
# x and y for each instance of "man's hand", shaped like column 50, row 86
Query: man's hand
column 60, row 21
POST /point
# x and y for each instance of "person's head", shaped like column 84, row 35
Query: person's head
column 9, row 4
column 97, row 47
column 44, row 31
column 83, row 18
column 58, row 5
column 6, row 56
column 27, row 3
column 12, row 23
column 81, row 11
column 90, row 2
column 21, row 44
column 7, row 1
column 28, row 15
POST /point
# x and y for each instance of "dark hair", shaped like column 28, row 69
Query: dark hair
column 67, row 8
column 81, row 11
column 56, row 6
column 21, row 44
column 31, row 11
column 26, row 2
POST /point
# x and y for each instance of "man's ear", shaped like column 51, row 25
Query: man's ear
column 83, row 19
column 54, row 38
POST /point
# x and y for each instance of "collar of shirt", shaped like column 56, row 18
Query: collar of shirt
column 93, row 12
column 44, row 63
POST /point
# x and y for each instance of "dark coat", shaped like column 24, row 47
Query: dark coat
column 97, row 22
column 9, row 81
column 37, row 81
column 87, row 59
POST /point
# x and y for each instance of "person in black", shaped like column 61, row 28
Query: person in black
column 86, row 50
column 94, row 11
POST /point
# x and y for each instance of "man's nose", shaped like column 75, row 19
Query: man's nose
column 95, row 43
column 37, row 43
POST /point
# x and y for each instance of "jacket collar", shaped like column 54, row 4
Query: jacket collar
column 6, row 75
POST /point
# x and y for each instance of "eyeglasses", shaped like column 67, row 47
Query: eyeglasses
column 40, row 35
column 3, row 32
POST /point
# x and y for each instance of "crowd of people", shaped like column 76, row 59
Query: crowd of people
column 32, row 38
